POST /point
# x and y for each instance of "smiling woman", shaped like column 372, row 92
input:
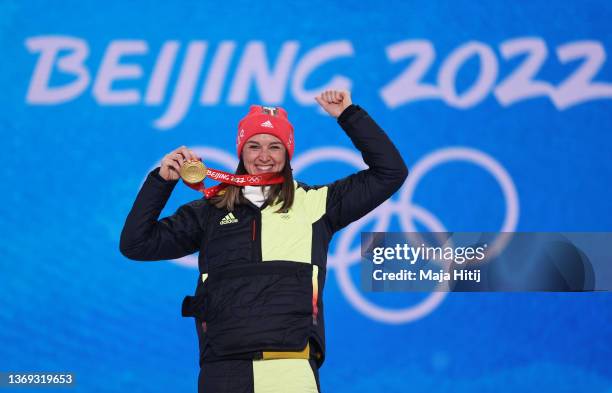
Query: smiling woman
column 258, row 304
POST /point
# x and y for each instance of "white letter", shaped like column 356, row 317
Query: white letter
column 521, row 84
column 416, row 252
column 580, row 87
column 163, row 67
column 216, row 75
column 185, row 87
column 408, row 86
column 479, row 89
column 111, row 70
column 377, row 253
column 253, row 65
column 39, row 91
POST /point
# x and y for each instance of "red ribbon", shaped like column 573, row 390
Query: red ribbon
column 226, row 178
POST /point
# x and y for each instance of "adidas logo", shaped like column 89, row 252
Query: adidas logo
column 267, row 123
column 228, row 219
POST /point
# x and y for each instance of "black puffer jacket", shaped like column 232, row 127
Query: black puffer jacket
column 262, row 273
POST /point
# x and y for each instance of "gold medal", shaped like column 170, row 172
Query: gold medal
column 193, row 172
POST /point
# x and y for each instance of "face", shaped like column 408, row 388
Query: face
column 263, row 153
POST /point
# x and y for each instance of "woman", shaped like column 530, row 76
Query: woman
column 258, row 303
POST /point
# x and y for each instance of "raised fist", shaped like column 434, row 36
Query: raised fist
column 334, row 102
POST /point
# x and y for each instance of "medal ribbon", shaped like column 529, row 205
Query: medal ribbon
column 226, row 178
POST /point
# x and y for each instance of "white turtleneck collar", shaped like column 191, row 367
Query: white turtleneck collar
column 256, row 194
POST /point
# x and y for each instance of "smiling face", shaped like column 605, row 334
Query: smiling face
column 263, row 153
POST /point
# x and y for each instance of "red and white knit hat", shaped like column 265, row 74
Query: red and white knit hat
column 265, row 120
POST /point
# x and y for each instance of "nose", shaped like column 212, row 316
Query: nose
column 264, row 155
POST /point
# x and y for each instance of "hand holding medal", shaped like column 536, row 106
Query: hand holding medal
column 172, row 162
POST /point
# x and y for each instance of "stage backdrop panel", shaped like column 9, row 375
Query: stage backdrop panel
column 502, row 111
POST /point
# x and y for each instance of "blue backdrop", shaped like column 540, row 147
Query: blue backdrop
column 502, row 111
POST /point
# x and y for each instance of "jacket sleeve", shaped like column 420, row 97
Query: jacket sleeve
column 144, row 238
column 353, row 197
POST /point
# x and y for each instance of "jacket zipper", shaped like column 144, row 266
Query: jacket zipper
column 259, row 354
column 256, row 237
column 256, row 254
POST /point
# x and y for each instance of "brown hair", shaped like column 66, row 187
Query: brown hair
column 278, row 193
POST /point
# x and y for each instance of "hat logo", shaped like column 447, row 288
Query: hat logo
column 269, row 110
column 267, row 124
